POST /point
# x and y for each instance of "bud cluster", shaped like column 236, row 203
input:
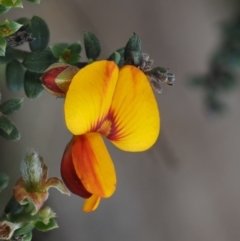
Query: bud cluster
column 134, row 56
column 25, row 210
column 160, row 75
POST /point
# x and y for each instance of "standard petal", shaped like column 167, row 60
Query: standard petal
column 134, row 112
column 69, row 175
column 91, row 203
column 89, row 96
column 93, row 164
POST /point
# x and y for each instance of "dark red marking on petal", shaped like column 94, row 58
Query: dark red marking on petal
column 115, row 133
column 69, row 174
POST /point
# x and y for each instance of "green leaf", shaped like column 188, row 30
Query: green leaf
column 121, row 61
column 57, row 49
column 40, row 226
column 9, row 56
column 92, row 45
column 133, row 45
column 13, row 206
column 115, row 57
column 12, row 3
column 34, row 1
column 74, row 58
column 13, row 136
column 68, row 57
column 24, row 230
column 3, row 181
column 4, row 9
column 6, row 125
column 75, row 48
column 11, row 106
column 14, row 75
column 136, row 58
column 23, row 21
column 32, row 84
column 9, row 27
column 3, row 44
column 67, row 53
column 40, row 33
column 39, row 61
column 27, row 237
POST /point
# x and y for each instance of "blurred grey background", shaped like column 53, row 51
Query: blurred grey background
column 187, row 187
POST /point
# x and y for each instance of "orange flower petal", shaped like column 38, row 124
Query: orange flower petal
column 89, row 96
column 69, row 175
column 91, row 203
column 134, row 111
column 93, row 164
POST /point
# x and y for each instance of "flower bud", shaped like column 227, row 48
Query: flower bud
column 34, row 184
column 46, row 214
column 57, row 78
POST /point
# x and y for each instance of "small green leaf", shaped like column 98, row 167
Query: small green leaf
column 115, row 57
column 133, row 44
column 32, row 84
column 9, row 27
column 3, row 181
column 11, row 106
column 75, row 48
column 34, row 1
column 40, row 226
column 92, row 45
column 27, row 237
column 68, row 57
column 23, row 21
column 137, row 58
column 57, row 49
column 13, row 136
column 9, row 56
column 4, row 9
column 12, row 3
column 6, row 125
column 121, row 61
column 14, row 75
column 13, row 206
column 39, row 61
column 74, row 58
column 3, row 44
column 24, row 230
column 40, row 33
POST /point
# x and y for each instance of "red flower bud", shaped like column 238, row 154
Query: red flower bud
column 57, row 78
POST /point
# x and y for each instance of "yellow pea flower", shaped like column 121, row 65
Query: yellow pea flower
column 116, row 103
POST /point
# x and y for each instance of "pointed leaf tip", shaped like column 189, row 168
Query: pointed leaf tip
column 92, row 45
